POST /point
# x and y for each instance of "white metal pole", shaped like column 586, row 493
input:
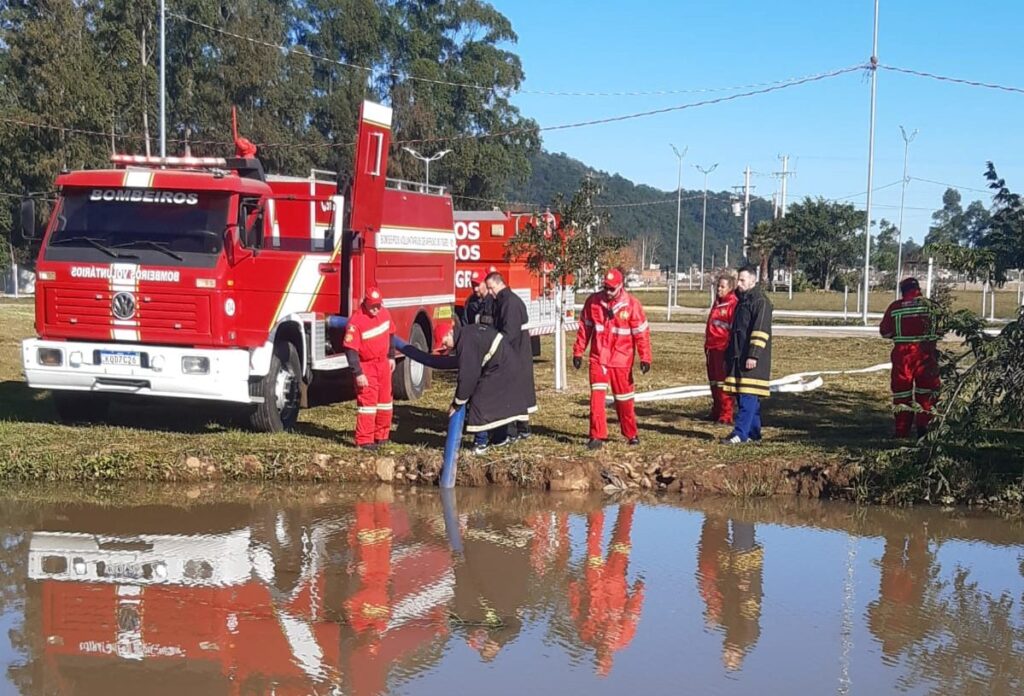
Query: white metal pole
column 871, row 168
column 746, row 209
column 785, row 175
column 846, row 302
column 163, row 79
column 704, row 219
column 992, row 311
column 14, row 272
column 726, row 256
column 931, row 268
column 907, row 139
column 559, row 355
column 679, row 210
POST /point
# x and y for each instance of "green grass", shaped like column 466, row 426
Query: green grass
column 847, row 417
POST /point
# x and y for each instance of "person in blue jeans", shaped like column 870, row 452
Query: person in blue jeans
column 749, row 357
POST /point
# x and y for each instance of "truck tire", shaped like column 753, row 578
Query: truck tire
column 411, row 378
column 281, row 391
column 80, row 407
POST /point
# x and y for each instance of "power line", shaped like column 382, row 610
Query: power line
column 940, row 183
column 640, row 114
column 957, row 80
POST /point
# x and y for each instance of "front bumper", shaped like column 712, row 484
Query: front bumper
column 159, row 375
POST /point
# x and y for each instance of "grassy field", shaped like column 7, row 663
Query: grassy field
column 847, row 417
column 1006, row 301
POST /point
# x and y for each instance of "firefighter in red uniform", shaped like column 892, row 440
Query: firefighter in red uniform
column 911, row 323
column 371, row 356
column 897, row 618
column 613, row 325
column 716, row 341
column 604, row 608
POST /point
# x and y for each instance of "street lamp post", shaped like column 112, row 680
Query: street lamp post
column 907, row 139
column 679, row 209
column 704, row 218
column 426, row 161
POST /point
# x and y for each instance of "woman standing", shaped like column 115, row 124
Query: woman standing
column 716, row 341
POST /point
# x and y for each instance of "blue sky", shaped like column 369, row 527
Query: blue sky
column 572, row 45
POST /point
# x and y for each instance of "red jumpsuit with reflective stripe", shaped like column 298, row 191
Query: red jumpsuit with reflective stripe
column 910, row 323
column 370, row 338
column 614, row 330
column 716, row 341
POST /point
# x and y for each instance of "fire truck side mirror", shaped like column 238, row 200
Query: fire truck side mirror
column 28, row 219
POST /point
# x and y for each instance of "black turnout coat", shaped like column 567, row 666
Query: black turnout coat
column 479, row 310
column 751, row 337
column 510, row 316
column 488, row 369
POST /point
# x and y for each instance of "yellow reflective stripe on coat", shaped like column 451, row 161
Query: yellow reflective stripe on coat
column 759, row 334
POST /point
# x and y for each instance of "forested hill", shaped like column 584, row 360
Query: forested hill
column 655, row 219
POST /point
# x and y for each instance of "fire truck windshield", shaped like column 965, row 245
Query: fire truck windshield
column 177, row 228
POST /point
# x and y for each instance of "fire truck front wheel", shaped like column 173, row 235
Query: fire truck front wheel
column 411, row 378
column 80, row 407
column 281, row 391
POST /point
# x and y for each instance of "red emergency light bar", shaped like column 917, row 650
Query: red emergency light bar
column 169, row 161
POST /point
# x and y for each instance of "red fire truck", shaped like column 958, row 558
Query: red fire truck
column 205, row 278
column 482, row 236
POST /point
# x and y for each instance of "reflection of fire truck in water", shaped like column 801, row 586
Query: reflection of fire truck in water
column 481, row 238
column 205, row 278
column 302, row 609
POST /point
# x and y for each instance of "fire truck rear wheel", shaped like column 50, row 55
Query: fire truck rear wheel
column 281, row 391
column 411, row 378
column 80, row 407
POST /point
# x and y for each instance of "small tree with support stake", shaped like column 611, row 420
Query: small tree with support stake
column 563, row 247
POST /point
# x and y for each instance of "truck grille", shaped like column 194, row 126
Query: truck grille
column 161, row 316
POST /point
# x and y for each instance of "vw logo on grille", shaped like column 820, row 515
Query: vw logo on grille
column 123, row 305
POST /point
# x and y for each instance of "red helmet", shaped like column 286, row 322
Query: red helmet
column 476, row 278
column 374, row 297
column 613, row 279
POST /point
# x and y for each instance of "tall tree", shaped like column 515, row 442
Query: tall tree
column 824, row 234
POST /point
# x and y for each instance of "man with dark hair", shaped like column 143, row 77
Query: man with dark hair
column 910, row 322
column 510, row 316
column 749, row 357
column 479, row 307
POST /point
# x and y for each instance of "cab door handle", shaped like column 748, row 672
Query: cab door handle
column 328, row 268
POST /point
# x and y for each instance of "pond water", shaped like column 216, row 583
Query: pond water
column 371, row 591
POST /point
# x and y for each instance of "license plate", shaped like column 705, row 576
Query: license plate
column 120, row 358
column 122, row 570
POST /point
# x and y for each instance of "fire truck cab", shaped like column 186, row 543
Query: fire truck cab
column 205, row 278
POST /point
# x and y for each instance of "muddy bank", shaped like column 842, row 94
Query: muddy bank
column 608, row 472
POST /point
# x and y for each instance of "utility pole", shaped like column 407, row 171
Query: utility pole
column 907, row 139
column 163, row 79
column 784, row 174
column 704, row 218
column 871, row 168
column 746, row 210
column 679, row 210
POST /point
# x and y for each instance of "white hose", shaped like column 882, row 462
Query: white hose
column 790, row 384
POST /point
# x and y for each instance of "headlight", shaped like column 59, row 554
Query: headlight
column 52, row 357
column 195, row 365
column 79, row 565
column 229, row 307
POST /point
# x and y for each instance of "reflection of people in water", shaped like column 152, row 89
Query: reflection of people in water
column 605, row 610
column 491, row 582
column 895, row 617
column 729, row 574
column 388, row 625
